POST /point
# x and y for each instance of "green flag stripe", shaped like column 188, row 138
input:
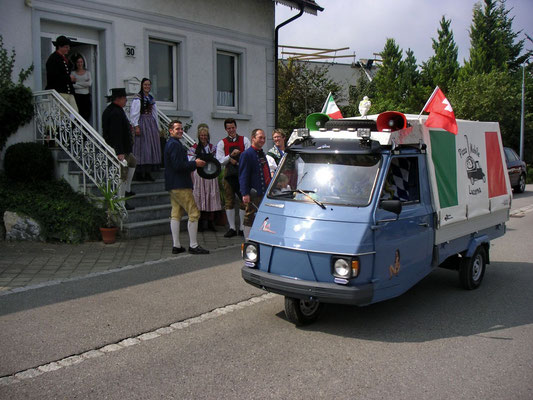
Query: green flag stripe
column 443, row 156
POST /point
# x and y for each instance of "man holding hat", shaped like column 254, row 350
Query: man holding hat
column 58, row 68
column 117, row 133
column 179, row 184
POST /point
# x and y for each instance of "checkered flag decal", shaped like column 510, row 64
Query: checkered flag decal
column 400, row 175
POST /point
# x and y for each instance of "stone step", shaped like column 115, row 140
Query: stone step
column 148, row 187
column 149, row 213
column 153, row 227
column 149, row 199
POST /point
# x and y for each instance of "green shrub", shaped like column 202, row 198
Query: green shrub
column 529, row 177
column 28, row 162
column 16, row 100
column 64, row 215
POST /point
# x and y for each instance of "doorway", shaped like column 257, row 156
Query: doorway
column 88, row 49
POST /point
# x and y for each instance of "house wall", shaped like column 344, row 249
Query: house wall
column 199, row 27
column 344, row 74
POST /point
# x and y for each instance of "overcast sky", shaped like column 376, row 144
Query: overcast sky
column 364, row 25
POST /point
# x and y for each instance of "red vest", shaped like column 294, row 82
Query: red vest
column 229, row 146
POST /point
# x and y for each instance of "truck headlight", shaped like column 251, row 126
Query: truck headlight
column 250, row 253
column 345, row 267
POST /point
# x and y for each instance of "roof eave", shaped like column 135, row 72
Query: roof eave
column 309, row 6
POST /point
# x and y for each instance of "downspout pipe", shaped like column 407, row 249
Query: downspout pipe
column 276, row 37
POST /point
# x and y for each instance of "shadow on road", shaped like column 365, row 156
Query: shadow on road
column 438, row 308
column 112, row 280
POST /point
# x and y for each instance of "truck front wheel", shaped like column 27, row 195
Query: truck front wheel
column 472, row 269
column 302, row 312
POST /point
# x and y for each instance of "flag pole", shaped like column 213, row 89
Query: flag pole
column 325, row 107
column 429, row 100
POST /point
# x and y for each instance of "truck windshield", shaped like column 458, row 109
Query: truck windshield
column 340, row 179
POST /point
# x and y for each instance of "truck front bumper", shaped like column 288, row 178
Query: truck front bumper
column 323, row 292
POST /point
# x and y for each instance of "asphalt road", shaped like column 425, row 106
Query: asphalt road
column 201, row 338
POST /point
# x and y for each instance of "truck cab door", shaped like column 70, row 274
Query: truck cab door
column 404, row 242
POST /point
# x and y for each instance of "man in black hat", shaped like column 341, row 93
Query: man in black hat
column 117, row 133
column 58, row 68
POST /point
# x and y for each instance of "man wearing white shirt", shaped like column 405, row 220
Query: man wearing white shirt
column 228, row 152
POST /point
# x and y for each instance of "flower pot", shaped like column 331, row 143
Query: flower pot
column 109, row 235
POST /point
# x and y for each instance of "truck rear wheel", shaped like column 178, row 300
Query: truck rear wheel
column 302, row 312
column 472, row 269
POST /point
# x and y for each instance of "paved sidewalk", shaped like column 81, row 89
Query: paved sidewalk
column 32, row 263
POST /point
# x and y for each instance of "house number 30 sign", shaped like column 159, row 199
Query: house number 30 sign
column 130, row 50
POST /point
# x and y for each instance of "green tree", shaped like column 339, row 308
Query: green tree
column 496, row 96
column 492, row 40
column 397, row 82
column 388, row 79
column 16, row 107
column 413, row 93
column 442, row 69
column 302, row 90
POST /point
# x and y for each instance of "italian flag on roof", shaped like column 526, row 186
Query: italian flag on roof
column 331, row 109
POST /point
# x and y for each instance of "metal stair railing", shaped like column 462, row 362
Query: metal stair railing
column 56, row 120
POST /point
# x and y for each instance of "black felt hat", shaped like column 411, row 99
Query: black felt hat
column 117, row 92
column 211, row 169
column 62, row 41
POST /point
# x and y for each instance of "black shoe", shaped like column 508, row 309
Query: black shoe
column 129, row 194
column 129, row 207
column 241, row 233
column 230, row 233
column 198, row 250
column 177, row 250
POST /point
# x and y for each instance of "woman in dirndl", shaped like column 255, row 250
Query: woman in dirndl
column 206, row 191
column 146, row 145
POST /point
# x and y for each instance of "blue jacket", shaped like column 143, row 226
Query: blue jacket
column 177, row 167
column 251, row 173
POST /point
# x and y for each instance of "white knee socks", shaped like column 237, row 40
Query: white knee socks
column 175, row 230
column 192, row 227
column 129, row 178
column 241, row 217
column 231, row 218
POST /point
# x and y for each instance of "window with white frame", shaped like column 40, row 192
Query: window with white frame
column 163, row 62
column 227, row 80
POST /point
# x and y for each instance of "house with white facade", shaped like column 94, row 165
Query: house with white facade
column 208, row 60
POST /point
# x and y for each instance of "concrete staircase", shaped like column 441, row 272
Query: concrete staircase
column 152, row 203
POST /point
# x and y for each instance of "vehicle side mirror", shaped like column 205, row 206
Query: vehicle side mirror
column 394, row 206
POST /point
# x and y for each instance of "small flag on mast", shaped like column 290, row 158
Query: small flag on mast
column 441, row 113
column 330, row 108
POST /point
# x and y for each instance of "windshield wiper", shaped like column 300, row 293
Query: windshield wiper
column 289, row 192
column 305, row 193
column 286, row 192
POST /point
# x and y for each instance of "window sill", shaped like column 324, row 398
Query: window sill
column 224, row 115
column 176, row 113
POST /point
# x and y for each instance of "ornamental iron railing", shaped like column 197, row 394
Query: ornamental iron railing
column 56, row 120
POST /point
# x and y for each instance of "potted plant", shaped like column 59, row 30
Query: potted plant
column 111, row 203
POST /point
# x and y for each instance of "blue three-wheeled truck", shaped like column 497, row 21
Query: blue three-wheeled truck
column 362, row 209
